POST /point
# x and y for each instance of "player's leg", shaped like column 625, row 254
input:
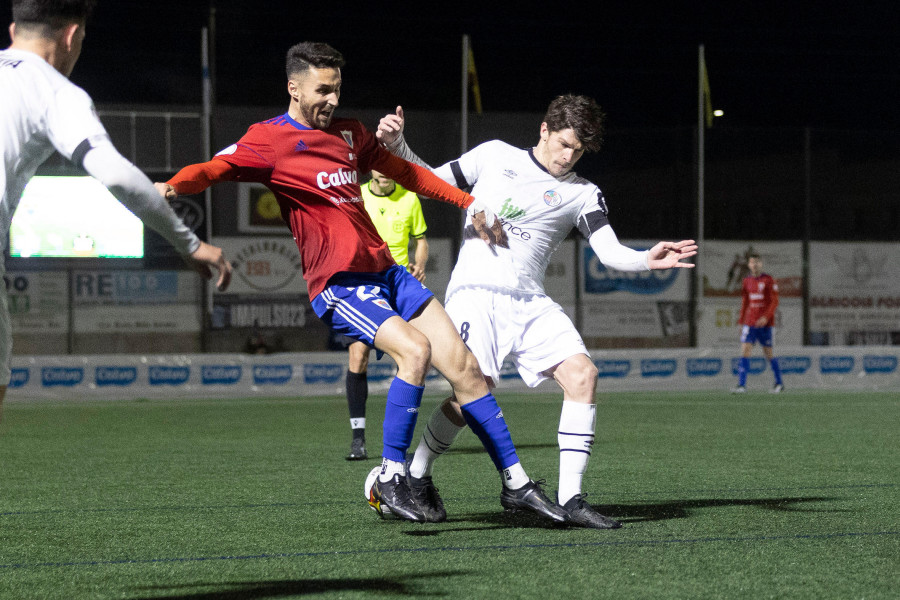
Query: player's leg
column 577, row 376
column 357, row 396
column 474, row 318
column 358, row 306
column 480, row 410
column 550, row 346
column 767, row 343
column 747, row 340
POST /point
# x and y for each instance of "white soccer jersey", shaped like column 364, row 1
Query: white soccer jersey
column 537, row 209
column 40, row 111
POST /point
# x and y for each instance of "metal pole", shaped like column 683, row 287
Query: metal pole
column 464, row 104
column 701, row 186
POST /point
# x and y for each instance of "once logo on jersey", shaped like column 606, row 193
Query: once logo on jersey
column 341, row 177
column 552, row 198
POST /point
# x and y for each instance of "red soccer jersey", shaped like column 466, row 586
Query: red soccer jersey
column 314, row 176
column 759, row 298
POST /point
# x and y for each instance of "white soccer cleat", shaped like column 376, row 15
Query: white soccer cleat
column 739, row 390
column 777, row 388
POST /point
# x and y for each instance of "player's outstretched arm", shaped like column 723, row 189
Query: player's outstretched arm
column 668, row 255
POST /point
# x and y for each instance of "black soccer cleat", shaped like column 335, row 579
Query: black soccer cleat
column 358, row 449
column 426, row 496
column 395, row 495
column 530, row 497
column 582, row 514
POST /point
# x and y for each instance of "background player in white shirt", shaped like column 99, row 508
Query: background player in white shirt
column 496, row 296
column 41, row 111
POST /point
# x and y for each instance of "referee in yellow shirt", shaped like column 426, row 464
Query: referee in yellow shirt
column 397, row 215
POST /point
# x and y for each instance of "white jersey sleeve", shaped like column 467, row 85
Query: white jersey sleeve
column 42, row 111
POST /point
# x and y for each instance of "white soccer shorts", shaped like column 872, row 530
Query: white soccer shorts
column 531, row 329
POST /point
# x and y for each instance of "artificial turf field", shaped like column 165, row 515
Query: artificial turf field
column 753, row 496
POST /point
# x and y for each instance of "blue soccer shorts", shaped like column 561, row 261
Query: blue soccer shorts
column 751, row 335
column 356, row 304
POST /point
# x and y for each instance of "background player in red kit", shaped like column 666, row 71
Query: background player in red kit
column 759, row 299
column 311, row 162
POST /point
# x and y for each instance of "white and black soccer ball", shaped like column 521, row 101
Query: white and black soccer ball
column 381, row 509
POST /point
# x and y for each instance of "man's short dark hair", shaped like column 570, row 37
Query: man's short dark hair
column 304, row 55
column 754, row 255
column 579, row 113
column 51, row 14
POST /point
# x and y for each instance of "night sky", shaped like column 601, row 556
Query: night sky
column 769, row 65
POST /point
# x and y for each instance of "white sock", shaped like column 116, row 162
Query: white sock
column 391, row 467
column 437, row 438
column 358, row 423
column 575, row 437
column 514, row 476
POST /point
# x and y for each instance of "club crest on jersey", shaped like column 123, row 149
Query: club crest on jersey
column 382, row 303
column 552, row 198
column 348, row 137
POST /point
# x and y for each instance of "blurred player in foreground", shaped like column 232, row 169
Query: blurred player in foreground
column 41, row 111
column 497, row 299
column 759, row 299
column 397, row 215
column 311, row 160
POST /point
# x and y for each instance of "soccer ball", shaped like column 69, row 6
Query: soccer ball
column 383, row 511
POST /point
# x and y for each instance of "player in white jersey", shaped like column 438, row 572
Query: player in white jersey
column 496, row 296
column 41, row 111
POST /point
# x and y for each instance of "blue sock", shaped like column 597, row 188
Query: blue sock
column 776, row 369
column 486, row 420
column 743, row 367
column 400, row 416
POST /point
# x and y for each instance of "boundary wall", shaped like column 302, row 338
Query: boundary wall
column 129, row 377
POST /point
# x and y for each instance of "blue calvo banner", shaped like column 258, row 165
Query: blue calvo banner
column 20, row 377
column 879, row 364
column 703, row 367
column 272, row 374
column 323, row 372
column 220, row 374
column 616, row 369
column 658, row 367
column 599, row 279
column 794, row 365
column 61, row 376
column 115, row 375
column 164, row 375
column 839, row 365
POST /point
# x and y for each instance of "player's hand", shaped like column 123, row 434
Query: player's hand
column 666, row 255
column 762, row 322
column 390, row 128
column 487, row 225
column 166, row 191
column 417, row 272
column 208, row 257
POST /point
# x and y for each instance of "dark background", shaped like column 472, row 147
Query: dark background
column 770, row 63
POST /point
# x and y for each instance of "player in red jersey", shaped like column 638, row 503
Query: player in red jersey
column 759, row 299
column 311, row 160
